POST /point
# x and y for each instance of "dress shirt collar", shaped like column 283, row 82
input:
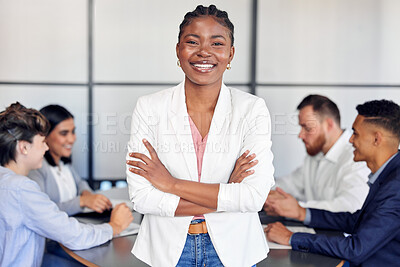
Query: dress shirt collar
column 336, row 150
column 373, row 176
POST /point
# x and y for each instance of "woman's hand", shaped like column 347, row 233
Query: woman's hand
column 152, row 169
column 242, row 166
column 96, row 202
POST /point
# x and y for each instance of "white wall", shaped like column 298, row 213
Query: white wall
column 136, row 40
column 310, row 41
column 328, row 42
column 74, row 98
column 43, row 41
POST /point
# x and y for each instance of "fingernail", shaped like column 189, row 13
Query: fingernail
column 131, row 154
column 144, row 140
column 255, row 161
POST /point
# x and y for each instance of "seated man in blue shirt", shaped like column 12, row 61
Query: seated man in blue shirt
column 374, row 230
column 27, row 215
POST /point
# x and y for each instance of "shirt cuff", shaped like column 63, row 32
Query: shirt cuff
column 109, row 229
column 225, row 195
column 168, row 205
column 307, row 219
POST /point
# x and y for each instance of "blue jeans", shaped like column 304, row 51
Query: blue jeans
column 199, row 251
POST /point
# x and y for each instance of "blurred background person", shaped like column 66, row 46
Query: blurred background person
column 373, row 231
column 329, row 178
column 27, row 214
column 57, row 177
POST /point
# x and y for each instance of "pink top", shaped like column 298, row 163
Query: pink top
column 199, row 148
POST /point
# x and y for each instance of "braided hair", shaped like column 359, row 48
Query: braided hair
column 201, row 11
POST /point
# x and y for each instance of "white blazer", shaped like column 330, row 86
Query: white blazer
column 241, row 121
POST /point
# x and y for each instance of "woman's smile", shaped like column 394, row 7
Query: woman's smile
column 203, row 66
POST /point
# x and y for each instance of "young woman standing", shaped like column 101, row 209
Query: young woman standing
column 191, row 162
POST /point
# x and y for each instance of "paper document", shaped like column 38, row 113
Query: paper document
column 132, row 229
column 294, row 229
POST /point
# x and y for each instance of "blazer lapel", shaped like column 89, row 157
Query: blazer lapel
column 179, row 122
column 216, row 136
column 377, row 184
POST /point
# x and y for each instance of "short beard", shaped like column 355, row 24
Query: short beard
column 315, row 148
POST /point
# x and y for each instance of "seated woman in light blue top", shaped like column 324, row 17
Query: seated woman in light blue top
column 57, row 177
column 27, row 215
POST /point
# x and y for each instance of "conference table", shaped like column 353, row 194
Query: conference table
column 117, row 252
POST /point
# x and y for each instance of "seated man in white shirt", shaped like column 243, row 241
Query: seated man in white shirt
column 328, row 179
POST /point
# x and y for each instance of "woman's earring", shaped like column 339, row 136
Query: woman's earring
column 178, row 63
column 229, row 66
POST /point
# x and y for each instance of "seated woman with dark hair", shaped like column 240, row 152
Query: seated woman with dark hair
column 27, row 215
column 57, row 177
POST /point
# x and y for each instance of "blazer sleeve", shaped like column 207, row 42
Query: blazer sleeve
column 145, row 197
column 72, row 206
column 251, row 193
column 342, row 221
column 376, row 229
column 42, row 177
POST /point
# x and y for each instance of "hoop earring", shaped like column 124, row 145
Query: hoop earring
column 178, row 63
column 229, row 66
